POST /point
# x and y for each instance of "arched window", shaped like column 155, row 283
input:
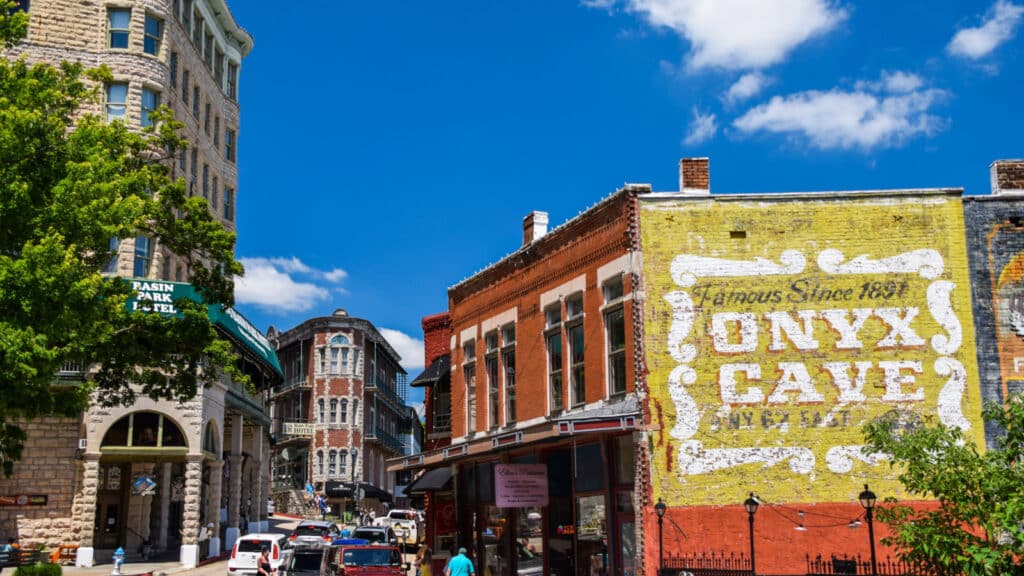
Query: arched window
column 344, row 411
column 332, row 464
column 320, row 411
column 341, row 355
column 334, row 410
column 147, row 430
column 320, row 462
column 341, row 462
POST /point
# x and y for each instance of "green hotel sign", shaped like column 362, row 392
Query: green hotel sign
column 159, row 296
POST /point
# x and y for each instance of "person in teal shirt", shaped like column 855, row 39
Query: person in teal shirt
column 459, row 565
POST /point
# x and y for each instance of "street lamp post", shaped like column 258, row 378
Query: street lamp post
column 751, row 505
column 867, row 500
column 659, row 509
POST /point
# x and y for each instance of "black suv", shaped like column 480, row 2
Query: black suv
column 306, row 562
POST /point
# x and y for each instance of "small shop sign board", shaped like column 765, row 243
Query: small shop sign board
column 521, row 485
column 24, row 500
column 299, row 429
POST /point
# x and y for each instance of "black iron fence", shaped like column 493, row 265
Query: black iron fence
column 706, row 564
column 731, row 564
column 854, row 565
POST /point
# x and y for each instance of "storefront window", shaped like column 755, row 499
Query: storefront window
column 497, row 540
column 529, row 544
column 592, row 534
column 628, row 552
column 589, row 468
column 624, row 467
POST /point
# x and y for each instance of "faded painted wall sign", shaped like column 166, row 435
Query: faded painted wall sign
column 776, row 330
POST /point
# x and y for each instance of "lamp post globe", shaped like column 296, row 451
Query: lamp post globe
column 867, row 500
column 751, row 505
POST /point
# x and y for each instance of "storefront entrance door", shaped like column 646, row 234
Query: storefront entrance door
column 110, row 516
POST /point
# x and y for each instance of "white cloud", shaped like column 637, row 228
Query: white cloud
column 874, row 114
column 739, row 34
column 998, row 27
column 268, row 283
column 702, row 128
column 749, row 85
column 336, row 275
column 409, row 348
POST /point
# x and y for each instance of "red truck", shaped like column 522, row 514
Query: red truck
column 363, row 559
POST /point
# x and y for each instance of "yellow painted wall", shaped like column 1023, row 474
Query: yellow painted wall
column 776, row 329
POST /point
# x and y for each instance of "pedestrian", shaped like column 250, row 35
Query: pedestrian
column 263, row 567
column 459, row 565
column 422, row 561
column 309, row 494
column 323, row 508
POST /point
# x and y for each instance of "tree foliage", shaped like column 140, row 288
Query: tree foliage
column 976, row 529
column 69, row 182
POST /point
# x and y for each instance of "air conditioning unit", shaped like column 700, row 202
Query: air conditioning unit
column 83, row 443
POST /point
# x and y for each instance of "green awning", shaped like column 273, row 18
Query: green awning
column 159, row 296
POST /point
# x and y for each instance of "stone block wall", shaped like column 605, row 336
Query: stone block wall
column 48, row 467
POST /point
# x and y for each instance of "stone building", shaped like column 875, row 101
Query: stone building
column 180, row 478
column 339, row 413
column 759, row 333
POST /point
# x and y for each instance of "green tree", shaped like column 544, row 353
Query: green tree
column 976, row 527
column 69, row 182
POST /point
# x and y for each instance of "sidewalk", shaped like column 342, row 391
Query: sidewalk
column 212, row 566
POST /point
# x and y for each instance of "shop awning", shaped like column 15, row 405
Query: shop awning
column 439, row 369
column 335, row 489
column 158, row 296
column 434, row 480
column 371, row 491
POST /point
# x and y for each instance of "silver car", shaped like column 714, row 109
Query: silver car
column 314, row 533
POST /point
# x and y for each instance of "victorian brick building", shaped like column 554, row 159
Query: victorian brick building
column 183, row 478
column 690, row 349
column 339, row 414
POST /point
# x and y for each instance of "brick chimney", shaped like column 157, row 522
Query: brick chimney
column 1007, row 177
column 694, row 177
column 535, row 225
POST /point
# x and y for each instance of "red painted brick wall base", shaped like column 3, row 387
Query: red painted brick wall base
column 778, row 546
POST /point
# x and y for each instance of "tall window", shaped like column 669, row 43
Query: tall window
column 206, row 180
column 111, row 266
column 332, row 463
column 229, row 204
column 508, row 362
column 229, row 145
column 232, row 89
column 320, row 411
column 174, row 69
column 206, row 117
column 143, row 256
column 344, row 411
column 154, row 30
column 216, row 132
column 218, row 67
column 469, row 375
column 553, row 341
column 338, row 353
column 574, row 336
column 615, row 336
column 195, row 102
column 150, row 102
column 119, row 21
column 355, row 412
column 334, row 411
column 184, row 87
column 195, row 170
column 342, row 456
column 215, row 194
column 491, row 368
column 320, row 462
column 117, row 101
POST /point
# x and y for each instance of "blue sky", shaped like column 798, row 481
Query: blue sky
column 390, row 149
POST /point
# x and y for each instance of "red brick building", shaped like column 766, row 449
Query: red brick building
column 339, row 414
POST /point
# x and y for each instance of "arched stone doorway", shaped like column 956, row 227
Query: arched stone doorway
column 140, row 485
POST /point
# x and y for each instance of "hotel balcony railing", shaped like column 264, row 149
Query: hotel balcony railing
column 442, row 423
column 301, row 381
column 384, row 438
column 73, row 370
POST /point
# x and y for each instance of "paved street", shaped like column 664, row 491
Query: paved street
column 218, row 567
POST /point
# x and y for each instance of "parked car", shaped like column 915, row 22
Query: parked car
column 376, row 535
column 360, row 558
column 314, row 533
column 406, row 523
column 246, row 552
column 307, row 561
